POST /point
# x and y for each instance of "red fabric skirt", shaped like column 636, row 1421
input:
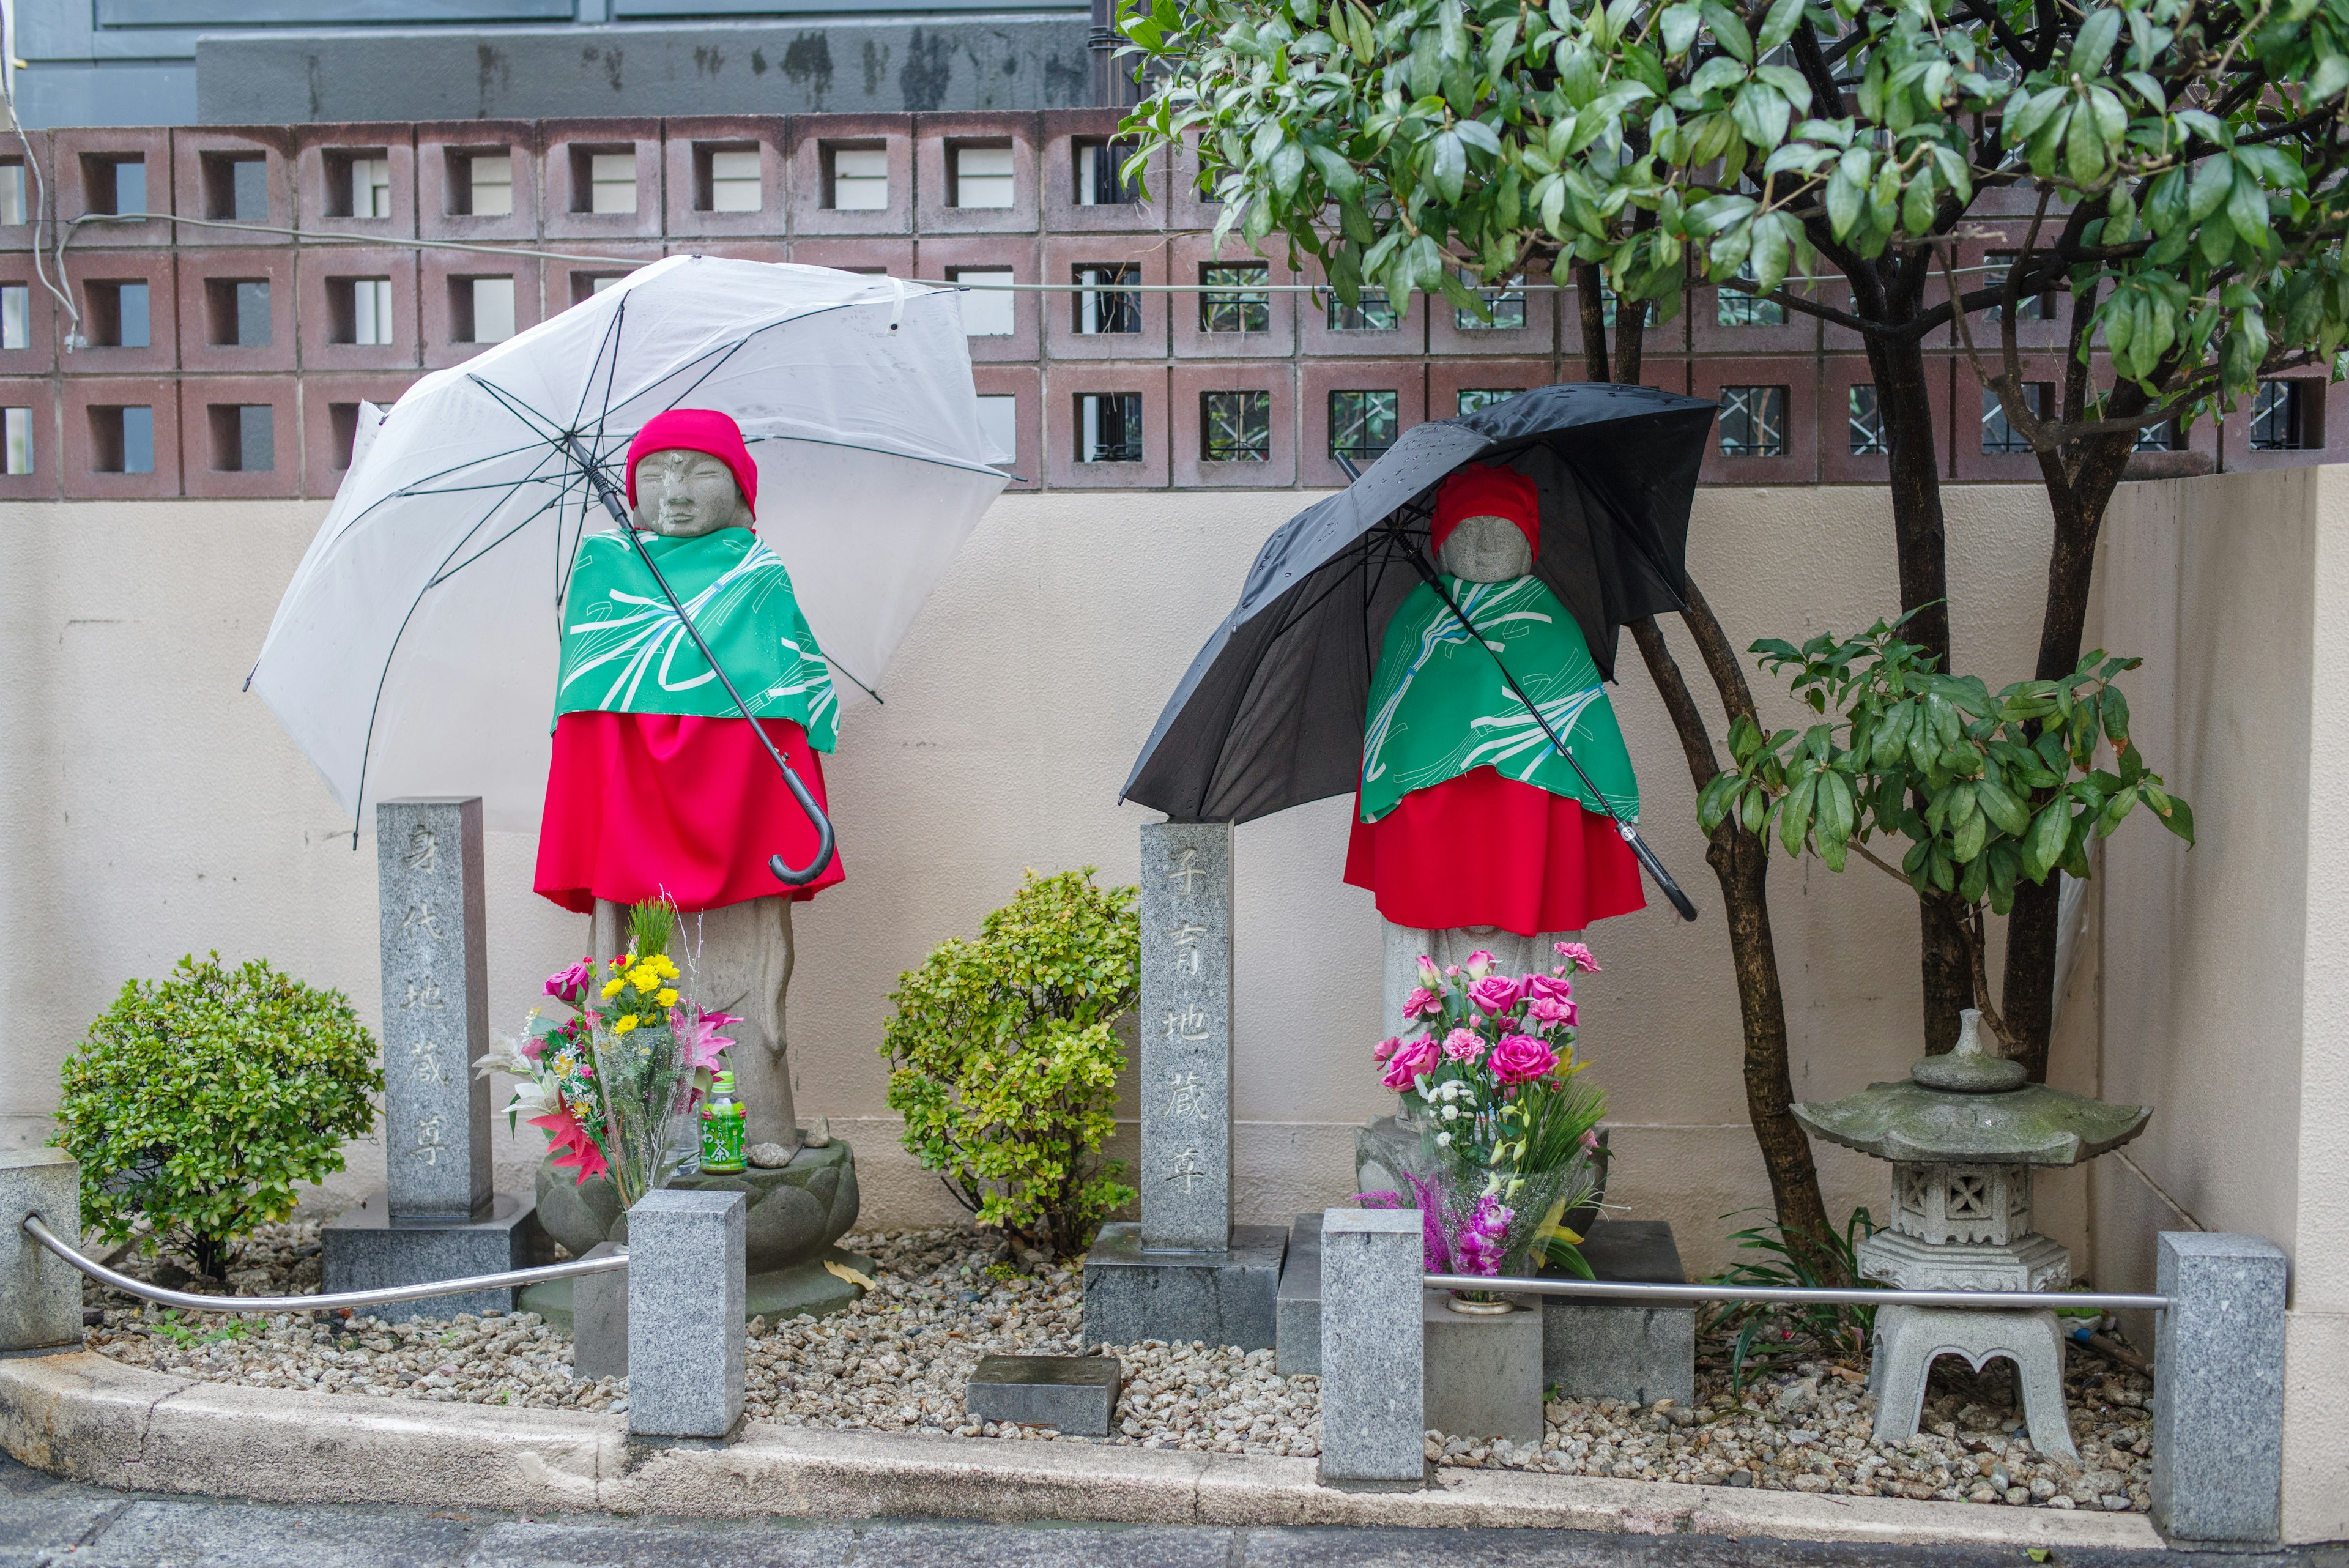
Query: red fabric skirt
column 638, row 805
column 1482, row 850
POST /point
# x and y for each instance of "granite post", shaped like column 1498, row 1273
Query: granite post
column 1185, row 1272
column 2218, row 1390
column 686, row 1335
column 40, row 1293
column 1373, row 1349
column 599, row 1320
column 439, row 1217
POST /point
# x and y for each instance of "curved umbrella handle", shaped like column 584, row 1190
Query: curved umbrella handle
column 822, row 820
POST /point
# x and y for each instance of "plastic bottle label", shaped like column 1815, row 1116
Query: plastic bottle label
column 721, row 1139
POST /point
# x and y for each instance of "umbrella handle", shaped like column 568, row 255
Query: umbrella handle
column 1656, row 868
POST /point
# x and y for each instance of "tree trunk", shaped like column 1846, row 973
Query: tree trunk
column 1590, row 293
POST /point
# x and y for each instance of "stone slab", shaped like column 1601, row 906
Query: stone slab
column 599, row 1320
column 364, row 1248
column 686, row 1340
column 1373, row 1352
column 1221, row 1298
column 2217, row 1389
column 1621, row 1350
column 1483, row 1375
column 40, row 1293
column 1073, row 1393
column 436, row 1019
column 776, row 1295
column 1185, row 1084
column 1296, row 1310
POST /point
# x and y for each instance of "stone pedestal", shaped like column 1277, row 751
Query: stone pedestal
column 1373, row 1377
column 1484, row 1373
column 437, row 1217
column 1222, row 1298
column 1907, row 1338
column 1622, row 1349
column 687, row 1350
column 40, row 1293
column 2218, row 1389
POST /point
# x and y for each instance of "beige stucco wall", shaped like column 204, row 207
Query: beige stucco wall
column 2225, row 992
column 150, row 808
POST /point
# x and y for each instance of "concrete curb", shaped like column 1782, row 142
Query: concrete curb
column 90, row 1418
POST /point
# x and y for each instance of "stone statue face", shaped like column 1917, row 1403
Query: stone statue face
column 1485, row 549
column 684, row 494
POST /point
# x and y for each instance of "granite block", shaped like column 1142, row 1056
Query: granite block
column 1483, row 1375
column 599, row 1320
column 686, row 1282
column 1296, row 1310
column 1073, row 1393
column 1622, row 1350
column 40, row 1293
column 2218, row 1390
column 435, row 1019
column 1184, row 908
column 1221, row 1298
column 1373, row 1352
column 366, row 1248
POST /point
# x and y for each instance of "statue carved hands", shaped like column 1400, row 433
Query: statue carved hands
column 684, row 494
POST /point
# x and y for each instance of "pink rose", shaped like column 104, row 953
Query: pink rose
column 1452, row 971
column 1548, row 985
column 1463, row 1045
column 1421, row 1003
column 1409, row 1061
column 1385, row 1049
column 567, row 985
column 1579, row 956
column 1427, row 973
column 1521, row 1058
column 1480, row 965
column 1551, row 1011
column 1495, row 993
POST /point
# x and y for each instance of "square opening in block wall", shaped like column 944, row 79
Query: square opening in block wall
column 1368, row 313
column 114, row 182
column 1233, row 296
column 359, row 182
column 481, row 182
column 16, row 315
column 243, row 437
column 1505, row 307
column 1235, row 426
column 987, row 303
column 236, row 186
column 238, row 308
column 999, row 426
column 604, row 179
column 14, row 193
column 1363, row 424
column 360, row 310
column 979, row 173
column 482, row 310
column 726, row 178
column 116, row 314
column 1753, row 421
column 342, row 432
column 16, row 439
column 1103, row 301
column 586, row 285
column 2288, row 416
column 1109, row 427
column 122, row 438
column 1097, row 165
column 856, row 176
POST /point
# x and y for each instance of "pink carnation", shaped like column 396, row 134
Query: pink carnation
column 1521, row 1058
column 1384, row 1049
column 1463, row 1045
column 1409, row 1061
column 1551, row 1011
column 1579, row 956
column 1495, row 993
column 1421, row 1003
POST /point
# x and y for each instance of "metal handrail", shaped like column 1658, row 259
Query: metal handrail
column 333, row 1303
column 1626, row 1290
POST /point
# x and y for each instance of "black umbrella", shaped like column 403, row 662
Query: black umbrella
column 1269, row 715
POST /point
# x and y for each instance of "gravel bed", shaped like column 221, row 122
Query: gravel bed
column 897, row 1360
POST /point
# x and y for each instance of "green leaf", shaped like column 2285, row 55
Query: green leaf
column 1448, row 166
column 1727, row 30
column 2044, row 844
column 1679, row 23
column 2093, row 46
column 1779, row 23
column 1795, row 814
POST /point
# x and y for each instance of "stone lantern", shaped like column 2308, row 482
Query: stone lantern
column 1963, row 1133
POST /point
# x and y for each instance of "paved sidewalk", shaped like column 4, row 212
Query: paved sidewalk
column 47, row 1524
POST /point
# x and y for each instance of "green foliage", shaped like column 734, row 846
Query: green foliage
column 1986, row 789
column 1004, row 1058
column 1773, row 1262
column 202, row 1102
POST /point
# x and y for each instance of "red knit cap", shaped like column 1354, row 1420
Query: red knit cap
column 1486, row 490
column 697, row 430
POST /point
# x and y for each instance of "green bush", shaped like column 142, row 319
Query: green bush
column 1004, row 1059
column 203, row 1101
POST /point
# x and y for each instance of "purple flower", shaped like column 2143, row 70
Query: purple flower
column 1421, row 1003
column 1521, row 1058
column 1495, row 994
column 1484, row 1238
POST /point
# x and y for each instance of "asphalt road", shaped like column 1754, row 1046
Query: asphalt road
column 47, row 1524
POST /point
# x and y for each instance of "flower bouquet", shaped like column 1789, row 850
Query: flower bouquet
column 1507, row 1131
column 613, row 1087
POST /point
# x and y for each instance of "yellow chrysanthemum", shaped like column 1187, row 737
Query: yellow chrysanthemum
column 644, row 977
column 666, row 997
column 611, row 987
column 663, row 965
column 626, row 1022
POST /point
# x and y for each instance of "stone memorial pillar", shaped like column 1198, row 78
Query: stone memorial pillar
column 437, row 1217
column 1185, row 1272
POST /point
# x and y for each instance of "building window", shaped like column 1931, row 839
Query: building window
column 1244, row 306
column 1362, row 425
column 1097, row 163
column 244, row 437
column 14, row 207
column 1732, row 308
column 1753, row 421
column 2285, row 417
column 1371, row 313
column 16, row 439
column 114, row 313
column 856, row 178
column 1109, row 427
column 1472, row 398
column 1235, row 426
column 239, row 308
column 482, row 310
column 2031, row 308
column 122, row 440
column 1507, row 306
column 586, row 285
column 343, row 432
column 361, row 310
column 1103, row 302
column 603, row 181
column 979, row 173
column 358, row 184
column 480, row 185
column 2163, row 437
column 236, row 186
column 726, row 178
column 999, row 426
column 16, row 315
column 1864, row 423
column 1606, row 307
column 1999, row 437
column 987, row 303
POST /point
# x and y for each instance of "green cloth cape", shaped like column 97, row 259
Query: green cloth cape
column 1439, row 707
column 625, row 650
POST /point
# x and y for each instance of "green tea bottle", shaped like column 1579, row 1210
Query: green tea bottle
column 721, row 1128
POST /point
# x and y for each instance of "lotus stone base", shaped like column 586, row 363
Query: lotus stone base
column 796, row 1210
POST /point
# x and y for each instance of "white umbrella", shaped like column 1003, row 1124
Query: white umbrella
column 414, row 653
